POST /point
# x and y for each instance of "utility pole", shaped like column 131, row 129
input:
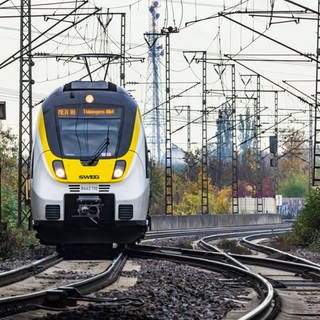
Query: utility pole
column 204, row 136
column 234, row 163
column 25, row 110
column 189, row 129
column 168, row 151
column 123, row 50
column 220, row 132
column 316, row 148
column 257, row 138
column 204, row 167
column 311, row 107
column 235, row 189
column 257, row 113
column 276, row 135
column 153, row 80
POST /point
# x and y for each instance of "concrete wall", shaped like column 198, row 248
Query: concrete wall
column 216, row 220
column 249, row 205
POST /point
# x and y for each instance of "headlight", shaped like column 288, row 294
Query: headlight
column 59, row 169
column 119, row 168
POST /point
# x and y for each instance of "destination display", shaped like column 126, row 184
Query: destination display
column 94, row 112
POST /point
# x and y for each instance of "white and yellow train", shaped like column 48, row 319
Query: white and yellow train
column 89, row 180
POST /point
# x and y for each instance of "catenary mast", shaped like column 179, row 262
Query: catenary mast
column 153, row 81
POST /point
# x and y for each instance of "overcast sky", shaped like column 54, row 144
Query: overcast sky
column 218, row 36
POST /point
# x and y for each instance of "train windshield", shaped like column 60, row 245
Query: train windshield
column 83, row 131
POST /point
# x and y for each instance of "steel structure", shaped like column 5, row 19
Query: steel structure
column 235, row 188
column 204, row 126
column 220, row 133
column 123, row 50
column 316, row 143
column 25, row 110
column 257, row 121
column 204, row 162
column 189, row 129
column 276, row 134
column 153, row 81
column 311, row 108
column 168, row 150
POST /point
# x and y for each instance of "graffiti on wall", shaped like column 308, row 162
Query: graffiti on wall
column 290, row 207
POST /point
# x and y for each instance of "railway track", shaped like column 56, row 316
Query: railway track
column 66, row 295
column 295, row 280
column 28, row 270
column 285, row 286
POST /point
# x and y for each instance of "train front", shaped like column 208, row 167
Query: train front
column 89, row 168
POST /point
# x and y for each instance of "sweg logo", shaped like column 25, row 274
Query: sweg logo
column 91, row 176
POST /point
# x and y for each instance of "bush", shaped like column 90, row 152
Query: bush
column 296, row 185
column 284, row 242
column 307, row 226
column 21, row 243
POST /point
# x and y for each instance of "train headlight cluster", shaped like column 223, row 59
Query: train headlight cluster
column 119, row 168
column 59, row 169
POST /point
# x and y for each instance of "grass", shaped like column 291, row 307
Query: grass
column 284, row 242
column 232, row 246
column 20, row 243
column 185, row 244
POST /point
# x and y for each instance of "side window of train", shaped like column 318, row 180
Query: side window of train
column 147, row 155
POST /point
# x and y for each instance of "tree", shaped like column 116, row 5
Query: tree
column 193, row 161
column 9, row 169
column 292, row 158
column 157, row 202
column 307, row 226
column 294, row 185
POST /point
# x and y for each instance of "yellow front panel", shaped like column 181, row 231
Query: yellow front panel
column 76, row 172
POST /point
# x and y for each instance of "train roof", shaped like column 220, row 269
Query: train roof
column 75, row 91
column 90, row 85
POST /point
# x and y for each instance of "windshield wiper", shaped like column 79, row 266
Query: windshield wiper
column 104, row 145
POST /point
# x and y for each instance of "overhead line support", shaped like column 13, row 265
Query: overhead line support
column 235, row 188
column 316, row 143
column 122, row 50
column 204, row 136
column 168, row 151
column 25, row 111
column 258, row 148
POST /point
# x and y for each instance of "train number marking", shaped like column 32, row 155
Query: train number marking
column 89, row 187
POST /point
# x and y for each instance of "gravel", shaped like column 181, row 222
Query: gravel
column 168, row 291
column 32, row 255
column 184, row 242
column 306, row 254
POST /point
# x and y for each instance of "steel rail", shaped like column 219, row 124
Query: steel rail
column 236, row 234
column 228, row 258
column 284, row 260
column 194, row 258
column 271, row 251
column 217, row 230
column 28, row 270
column 305, row 270
column 309, row 271
column 61, row 294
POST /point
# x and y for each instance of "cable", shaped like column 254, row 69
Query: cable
column 181, row 17
column 173, row 16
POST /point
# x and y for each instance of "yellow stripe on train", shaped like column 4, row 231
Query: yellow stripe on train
column 76, row 172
